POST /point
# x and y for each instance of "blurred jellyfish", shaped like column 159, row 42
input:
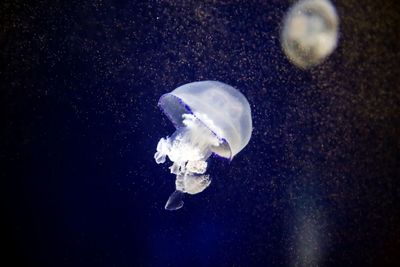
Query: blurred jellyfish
column 209, row 117
column 310, row 32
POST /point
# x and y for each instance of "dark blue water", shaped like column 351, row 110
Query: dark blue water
column 316, row 185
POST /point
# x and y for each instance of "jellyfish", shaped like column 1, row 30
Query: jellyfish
column 310, row 32
column 210, row 117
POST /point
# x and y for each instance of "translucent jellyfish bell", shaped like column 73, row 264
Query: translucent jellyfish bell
column 209, row 117
column 310, row 32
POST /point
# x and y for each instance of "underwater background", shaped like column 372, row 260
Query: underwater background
column 317, row 185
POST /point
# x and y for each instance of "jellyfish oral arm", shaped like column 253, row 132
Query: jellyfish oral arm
column 162, row 150
column 188, row 148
